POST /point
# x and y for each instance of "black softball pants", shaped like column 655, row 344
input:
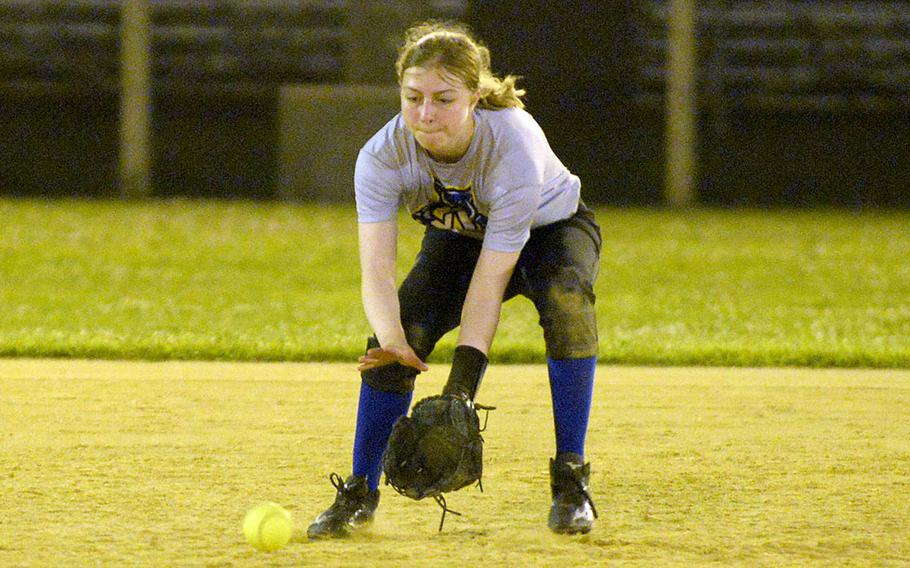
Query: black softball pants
column 556, row 270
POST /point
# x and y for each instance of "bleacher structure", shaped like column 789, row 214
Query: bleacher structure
column 46, row 43
column 786, row 55
column 771, row 54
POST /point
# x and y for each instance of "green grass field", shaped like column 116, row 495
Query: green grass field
column 699, row 458
column 248, row 281
column 155, row 464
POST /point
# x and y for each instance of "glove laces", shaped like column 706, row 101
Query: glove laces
column 441, row 501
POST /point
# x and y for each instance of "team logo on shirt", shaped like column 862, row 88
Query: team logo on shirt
column 452, row 208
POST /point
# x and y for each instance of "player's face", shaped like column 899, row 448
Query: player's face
column 438, row 109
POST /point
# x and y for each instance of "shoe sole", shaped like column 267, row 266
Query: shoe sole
column 571, row 531
column 346, row 532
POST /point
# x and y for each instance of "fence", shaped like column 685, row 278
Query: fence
column 789, row 56
column 798, row 103
column 216, row 69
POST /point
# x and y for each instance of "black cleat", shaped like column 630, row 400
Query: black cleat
column 572, row 511
column 354, row 507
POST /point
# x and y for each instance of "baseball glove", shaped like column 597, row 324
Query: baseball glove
column 436, row 450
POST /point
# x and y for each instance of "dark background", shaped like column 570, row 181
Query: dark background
column 800, row 105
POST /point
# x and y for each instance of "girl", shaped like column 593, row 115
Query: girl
column 503, row 217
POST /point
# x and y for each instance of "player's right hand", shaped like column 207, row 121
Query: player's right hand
column 379, row 356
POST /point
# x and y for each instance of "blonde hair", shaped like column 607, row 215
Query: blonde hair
column 452, row 47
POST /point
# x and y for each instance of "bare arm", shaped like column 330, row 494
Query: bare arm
column 378, row 267
column 480, row 314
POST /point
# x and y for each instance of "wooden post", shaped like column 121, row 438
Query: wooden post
column 135, row 99
column 681, row 105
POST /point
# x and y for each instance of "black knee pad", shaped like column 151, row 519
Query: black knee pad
column 395, row 377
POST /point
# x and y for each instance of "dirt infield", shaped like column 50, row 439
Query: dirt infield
column 155, row 464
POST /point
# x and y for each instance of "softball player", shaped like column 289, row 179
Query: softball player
column 503, row 217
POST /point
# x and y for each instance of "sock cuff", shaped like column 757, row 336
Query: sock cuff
column 572, row 365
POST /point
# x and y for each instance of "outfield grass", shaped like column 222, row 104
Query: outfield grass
column 250, row 281
column 155, row 464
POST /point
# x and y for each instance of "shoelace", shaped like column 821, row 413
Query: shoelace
column 581, row 489
column 346, row 501
column 337, row 481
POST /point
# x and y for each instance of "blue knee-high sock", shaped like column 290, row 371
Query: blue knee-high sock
column 377, row 412
column 572, row 387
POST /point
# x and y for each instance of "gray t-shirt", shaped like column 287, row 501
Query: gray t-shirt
column 507, row 183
